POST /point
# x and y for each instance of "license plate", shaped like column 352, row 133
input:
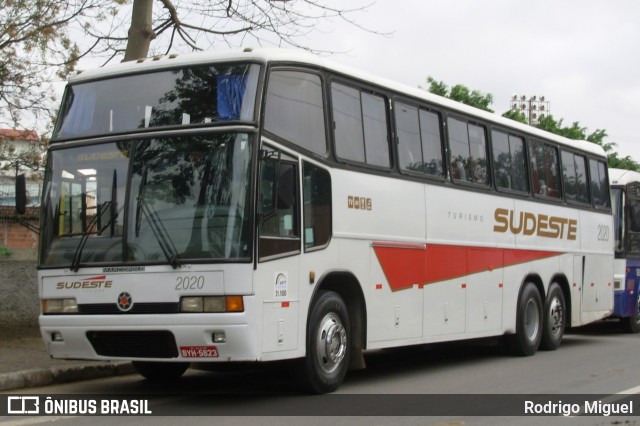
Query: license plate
column 199, row 351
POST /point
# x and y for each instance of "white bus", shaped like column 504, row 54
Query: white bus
column 261, row 205
column 625, row 193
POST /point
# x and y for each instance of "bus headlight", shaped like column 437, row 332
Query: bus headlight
column 59, row 306
column 211, row 304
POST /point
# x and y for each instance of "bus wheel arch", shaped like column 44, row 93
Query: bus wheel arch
column 335, row 333
column 348, row 287
column 632, row 324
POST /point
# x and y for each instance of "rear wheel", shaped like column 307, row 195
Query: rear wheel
column 528, row 323
column 328, row 340
column 632, row 324
column 160, row 371
column 554, row 318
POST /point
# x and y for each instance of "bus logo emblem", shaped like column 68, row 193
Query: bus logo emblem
column 125, row 302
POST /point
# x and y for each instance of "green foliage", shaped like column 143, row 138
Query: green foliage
column 12, row 159
column 437, row 87
column 517, row 115
column 5, row 252
column 36, row 48
column 575, row 131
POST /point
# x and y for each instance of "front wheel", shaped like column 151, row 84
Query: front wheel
column 554, row 319
column 328, row 340
column 632, row 324
column 528, row 323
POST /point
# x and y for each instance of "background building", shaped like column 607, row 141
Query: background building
column 21, row 152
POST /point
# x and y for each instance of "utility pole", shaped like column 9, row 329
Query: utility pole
column 533, row 107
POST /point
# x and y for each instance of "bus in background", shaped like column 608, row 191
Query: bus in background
column 625, row 195
column 262, row 205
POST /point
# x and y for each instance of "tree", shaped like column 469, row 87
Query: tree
column 202, row 24
column 461, row 93
column 475, row 98
column 36, row 48
column 38, row 38
column 575, row 131
column 13, row 160
column 517, row 115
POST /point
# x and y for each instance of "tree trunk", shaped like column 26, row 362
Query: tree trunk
column 141, row 31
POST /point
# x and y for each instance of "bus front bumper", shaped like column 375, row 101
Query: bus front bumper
column 185, row 338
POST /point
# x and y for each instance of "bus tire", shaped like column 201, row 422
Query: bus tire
column 555, row 318
column 632, row 324
column 526, row 340
column 328, row 344
column 160, row 372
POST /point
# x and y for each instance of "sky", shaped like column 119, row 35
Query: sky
column 582, row 55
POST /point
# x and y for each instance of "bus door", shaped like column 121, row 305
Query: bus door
column 279, row 247
column 632, row 250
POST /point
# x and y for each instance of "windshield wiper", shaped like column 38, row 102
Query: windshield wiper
column 155, row 223
column 75, row 263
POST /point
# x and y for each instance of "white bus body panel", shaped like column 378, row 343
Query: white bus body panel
column 479, row 297
column 153, row 284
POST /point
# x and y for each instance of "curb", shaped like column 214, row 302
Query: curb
column 56, row 375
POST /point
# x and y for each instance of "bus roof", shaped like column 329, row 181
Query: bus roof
column 267, row 55
column 623, row 177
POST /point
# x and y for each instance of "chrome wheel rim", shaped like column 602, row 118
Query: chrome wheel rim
column 531, row 320
column 556, row 316
column 331, row 342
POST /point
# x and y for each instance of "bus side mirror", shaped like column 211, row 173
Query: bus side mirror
column 21, row 194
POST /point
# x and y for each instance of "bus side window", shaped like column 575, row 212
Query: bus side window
column 510, row 166
column 574, row 175
column 317, row 206
column 599, row 184
column 468, row 145
column 278, row 205
column 294, row 109
column 360, row 126
column 544, row 164
column 419, row 140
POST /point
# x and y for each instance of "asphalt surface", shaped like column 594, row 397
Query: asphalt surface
column 25, row 363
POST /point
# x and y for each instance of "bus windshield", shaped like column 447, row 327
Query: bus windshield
column 180, row 97
column 159, row 200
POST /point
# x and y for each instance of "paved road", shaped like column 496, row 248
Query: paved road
column 596, row 360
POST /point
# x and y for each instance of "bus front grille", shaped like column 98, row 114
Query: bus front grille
column 134, row 344
column 137, row 308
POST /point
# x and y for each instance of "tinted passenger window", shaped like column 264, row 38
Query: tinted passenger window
column 574, row 177
column 599, row 184
column 375, row 130
column 468, row 152
column 509, row 162
column 317, row 206
column 419, row 140
column 360, row 126
column 279, row 226
column 294, row 109
column 544, row 170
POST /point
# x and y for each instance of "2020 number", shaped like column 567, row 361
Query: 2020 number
column 189, row 282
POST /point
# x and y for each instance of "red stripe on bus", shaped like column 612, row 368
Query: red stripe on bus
column 403, row 266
